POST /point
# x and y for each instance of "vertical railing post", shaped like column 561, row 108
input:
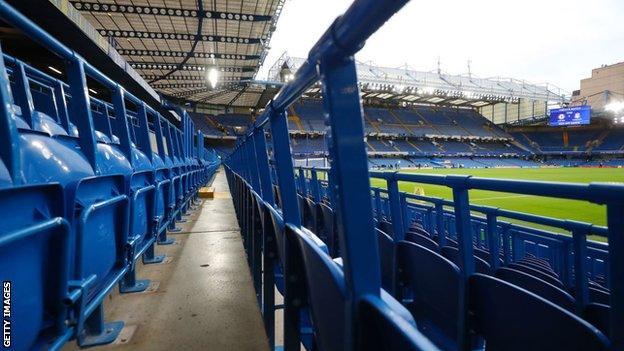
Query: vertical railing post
column 264, row 171
column 268, row 241
column 405, row 214
column 143, row 137
column 290, row 211
column 123, row 132
column 255, row 170
column 23, row 96
column 507, row 244
column 615, row 221
column 350, row 185
column 461, row 206
column 396, row 212
column 61, row 104
column 579, row 242
column 315, row 185
column 431, row 220
column 302, row 182
column 493, row 238
column 81, row 109
column 379, row 212
column 439, row 209
column 9, row 137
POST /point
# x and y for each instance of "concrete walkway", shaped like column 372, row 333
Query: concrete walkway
column 203, row 297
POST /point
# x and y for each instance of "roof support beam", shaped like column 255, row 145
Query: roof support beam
column 182, row 85
column 184, row 78
column 162, row 53
column 175, row 36
column 189, row 67
column 167, row 11
column 237, row 96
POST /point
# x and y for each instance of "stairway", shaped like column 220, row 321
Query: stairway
column 373, row 124
column 600, row 139
column 370, row 147
column 431, row 125
column 414, row 145
column 400, row 121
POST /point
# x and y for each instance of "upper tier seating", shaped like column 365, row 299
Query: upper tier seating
column 416, row 121
column 570, row 140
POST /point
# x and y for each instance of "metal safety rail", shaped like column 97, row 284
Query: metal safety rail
column 490, row 233
column 334, row 298
column 364, row 313
column 95, row 165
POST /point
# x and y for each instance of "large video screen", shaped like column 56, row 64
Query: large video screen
column 570, row 116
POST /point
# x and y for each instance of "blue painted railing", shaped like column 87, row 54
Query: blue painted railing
column 273, row 202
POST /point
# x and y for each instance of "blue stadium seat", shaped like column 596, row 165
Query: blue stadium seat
column 537, row 273
column 386, row 256
column 511, row 318
column 35, row 242
column 537, row 286
column 452, row 254
column 434, row 285
column 422, row 241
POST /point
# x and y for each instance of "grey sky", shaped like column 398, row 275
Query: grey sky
column 554, row 41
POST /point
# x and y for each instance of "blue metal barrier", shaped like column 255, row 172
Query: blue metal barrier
column 249, row 172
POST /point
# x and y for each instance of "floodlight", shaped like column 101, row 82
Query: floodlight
column 428, row 90
column 55, row 70
column 213, row 77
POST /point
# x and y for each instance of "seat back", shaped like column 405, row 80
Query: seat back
column 386, row 227
column 452, row 254
column 540, row 266
column 100, row 207
column 537, row 273
column 34, row 241
column 434, row 284
column 326, row 292
column 311, row 213
column 277, row 196
column 422, row 241
column 278, row 229
column 382, row 330
column 419, row 230
column 511, row 318
column 537, row 286
column 326, row 228
column 386, row 258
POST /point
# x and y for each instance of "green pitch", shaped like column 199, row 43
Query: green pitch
column 550, row 207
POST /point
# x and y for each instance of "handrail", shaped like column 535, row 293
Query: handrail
column 595, row 192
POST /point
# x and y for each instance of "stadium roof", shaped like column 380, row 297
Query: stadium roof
column 411, row 86
column 175, row 44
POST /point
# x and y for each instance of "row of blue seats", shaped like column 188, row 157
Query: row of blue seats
column 303, row 145
column 424, row 265
column 280, row 257
column 87, row 188
column 425, row 276
column 598, row 140
column 417, row 121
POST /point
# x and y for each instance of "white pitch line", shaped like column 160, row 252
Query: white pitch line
column 500, row 197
